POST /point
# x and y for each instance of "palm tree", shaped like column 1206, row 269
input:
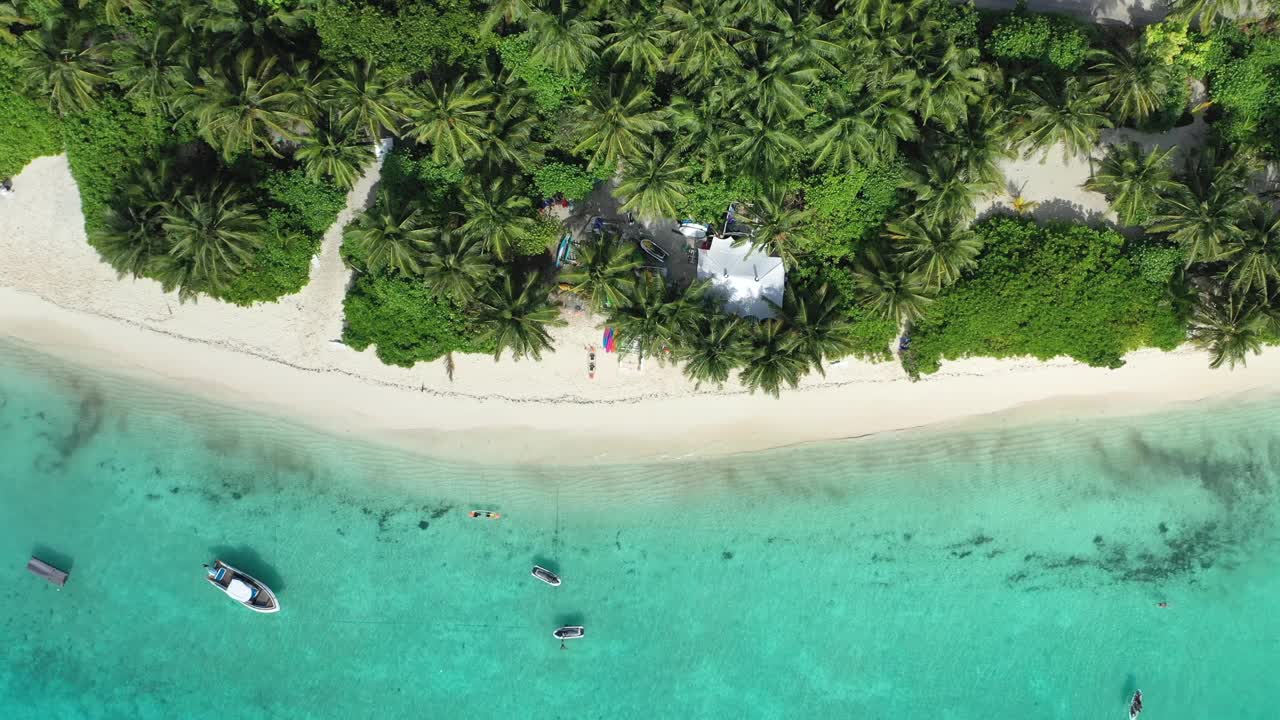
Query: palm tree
column 456, row 267
column 566, row 44
column 114, row 10
column 943, row 89
column 331, row 150
column 151, row 68
column 516, row 316
column 702, row 33
column 617, row 122
column 250, row 23
column 1203, row 215
column 654, row 317
column 1231, row 326
column 605, row 272
column 637, row 40
column 773, row 360
column 451, row 118
column 390, row 237
column 807, row 41
column 509, row 133
column 1133, row 181
column 134, row 236
column 766, row 149
column 1052, row 113
column 713, row 347
column 938, row 254
column 775, row 91
column 1204, row 12
column 9, row 16
column 213, row 234
column 655, row 183
column 862, row 131
column 979, row 143
column 945, row 193
column 889, row 290
column 508, row 11
column 778, row 228
column 369, row 98
column 496, row 215
column 245, row 105
column 817, row 324
column 60, row 63
column 1132, row 83
column 1253, row 254
column 701, row 135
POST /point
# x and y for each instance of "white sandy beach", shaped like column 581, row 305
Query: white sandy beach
column 56, row 296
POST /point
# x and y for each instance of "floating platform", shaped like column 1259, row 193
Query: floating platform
column 47, row 571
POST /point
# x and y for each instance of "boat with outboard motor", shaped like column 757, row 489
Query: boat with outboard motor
column 546, row 576
column 569, row 632
column 1135, row 706
column 242, row 587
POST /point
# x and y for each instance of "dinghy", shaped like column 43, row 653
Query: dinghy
column 569, row 632
column 652, row 249
column 1135, row 706
column 242, row 587
column 546, row 576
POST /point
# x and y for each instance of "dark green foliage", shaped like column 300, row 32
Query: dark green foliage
column 707, row 202
column 1045, row 291
column 1053, row 41
column 414, row 36
column 308, row 205
column 573, row 182
column 958, row 21
column 1159, row 263
column 871, row 335
column 541, row 239
column 406, row 174
column 1244, row 82
column 104, row 146
column 849, row 207
column 280, row 267
column 27, row 131
column 551, row 89
column 405, row 321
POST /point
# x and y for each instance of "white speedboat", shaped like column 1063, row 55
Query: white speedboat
column 546, row 576
column 242, row 587
column 1135, row 706
column 569, row 632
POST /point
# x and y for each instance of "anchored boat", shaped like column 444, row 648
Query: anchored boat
column 546, row 576
column 1135, row 706
column 569, row 632
column 242, row 587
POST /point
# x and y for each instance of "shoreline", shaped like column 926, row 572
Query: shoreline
column 59, row 298
column 969, row 395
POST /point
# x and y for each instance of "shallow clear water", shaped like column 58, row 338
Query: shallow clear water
column 1012, row 572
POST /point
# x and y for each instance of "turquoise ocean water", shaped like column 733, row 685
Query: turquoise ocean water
column 1006, row 573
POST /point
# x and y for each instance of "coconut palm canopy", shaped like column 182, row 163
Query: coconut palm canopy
column 842, row 146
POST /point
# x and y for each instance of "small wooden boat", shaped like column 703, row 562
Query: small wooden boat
column 652, row 249
column 486, row 514
column 43, row 569
column 242, row 587
column 1135, row 706
column 569, row 632
column 546, row 576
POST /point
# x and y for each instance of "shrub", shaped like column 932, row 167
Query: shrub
column 406, row 324
column 27, row 131
column 104, row 146
column 546, row 233
column 572, row 181
column 1051, row 40
column 707, row 202
column 957, row 20
column 1046, row 291
column 550, row 89
column 872, row 334
column 1244, row 76
column 408, row 176
column 308, row 205
column 1158, row 263
column 282, row 266
column 419, row 37
column 848, row 208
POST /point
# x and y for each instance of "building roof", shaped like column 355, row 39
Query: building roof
column 743, row 277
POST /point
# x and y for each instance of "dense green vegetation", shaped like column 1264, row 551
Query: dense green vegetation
column 214, row 143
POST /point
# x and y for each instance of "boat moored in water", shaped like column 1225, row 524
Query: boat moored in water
column 1135, row 706
column 486, row 514
column 546, row 576
column 569, row 632
column 242, row 587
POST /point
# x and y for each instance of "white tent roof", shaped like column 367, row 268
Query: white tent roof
column 239, row 590
column 744, row 278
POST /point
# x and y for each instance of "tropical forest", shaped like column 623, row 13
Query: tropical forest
column 863, row 142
